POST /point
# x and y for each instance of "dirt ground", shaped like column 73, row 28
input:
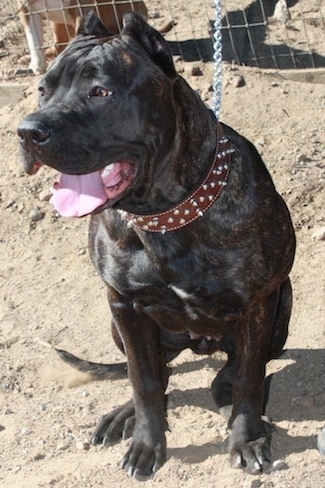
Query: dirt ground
column 51, row 295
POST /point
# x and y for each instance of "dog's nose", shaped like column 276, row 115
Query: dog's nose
column 33, row 134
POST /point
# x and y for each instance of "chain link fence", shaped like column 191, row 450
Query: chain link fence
column 263, row 33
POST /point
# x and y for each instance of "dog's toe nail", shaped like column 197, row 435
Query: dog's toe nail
column 237, row 461
column 260, row 460
column 156, row 467
column 94, row 440
column 140, row 477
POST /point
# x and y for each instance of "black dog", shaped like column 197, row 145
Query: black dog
column 187, row 229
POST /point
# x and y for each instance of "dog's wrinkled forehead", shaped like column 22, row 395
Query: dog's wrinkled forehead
column 139, row 55
column 79, row 55
column 86, row 59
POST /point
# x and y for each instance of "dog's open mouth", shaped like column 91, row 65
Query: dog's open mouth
column 79, row 195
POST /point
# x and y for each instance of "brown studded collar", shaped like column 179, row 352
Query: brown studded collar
column 197, row 203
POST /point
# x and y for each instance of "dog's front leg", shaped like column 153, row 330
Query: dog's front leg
column 249, row 444
column 147, row 373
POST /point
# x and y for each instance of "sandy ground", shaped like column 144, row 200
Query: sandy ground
column 50, row 294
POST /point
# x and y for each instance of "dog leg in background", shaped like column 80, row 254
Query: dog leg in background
column 62, row 33
column 33, row 25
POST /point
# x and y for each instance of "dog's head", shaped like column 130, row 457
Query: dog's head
column 103, row 107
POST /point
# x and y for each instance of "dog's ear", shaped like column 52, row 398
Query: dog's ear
column 92, row 26
column 154, row 44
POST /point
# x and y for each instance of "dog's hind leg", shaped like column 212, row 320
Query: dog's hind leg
column 263, row 330
column 222, row 385
column 281, row 322
column 62, row 34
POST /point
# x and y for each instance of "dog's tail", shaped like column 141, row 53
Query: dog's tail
column 97, row 371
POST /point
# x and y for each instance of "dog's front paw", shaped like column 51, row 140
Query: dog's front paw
column 144, row 458
column 252, row 456
column 248, row 453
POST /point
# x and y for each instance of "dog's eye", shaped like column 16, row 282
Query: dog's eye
column 99, row 91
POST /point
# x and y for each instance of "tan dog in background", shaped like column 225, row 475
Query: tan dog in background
column 64, row 17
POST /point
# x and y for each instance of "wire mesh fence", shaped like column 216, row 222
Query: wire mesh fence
column 262, row 33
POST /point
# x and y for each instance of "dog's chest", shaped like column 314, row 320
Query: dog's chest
column 182, row 285
column 178, row 309
column 179, row 296
column 187, row 300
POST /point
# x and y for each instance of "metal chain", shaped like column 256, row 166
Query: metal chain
column 217, row 56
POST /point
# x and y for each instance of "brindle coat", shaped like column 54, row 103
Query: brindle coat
column 219, row 283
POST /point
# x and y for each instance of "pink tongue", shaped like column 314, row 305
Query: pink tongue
column 78, row 195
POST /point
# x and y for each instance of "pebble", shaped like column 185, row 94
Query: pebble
column 82, row 446
column 302, row 158
column 321, row 441
column 319, row 234
column 2, row 428
column 278, row 465
column 38, row 456
column 196, row 71
column 82, row 251
column 36, row 214
column 155, row 14
column 45, row 195
column 10, row 203
column 252, row 483
column 237, row 81
column 260, row 142
column 20, row 207
column 62, row 446
column 207, row 92
column 281, row 13
column 70, row 436
column 25, row 431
